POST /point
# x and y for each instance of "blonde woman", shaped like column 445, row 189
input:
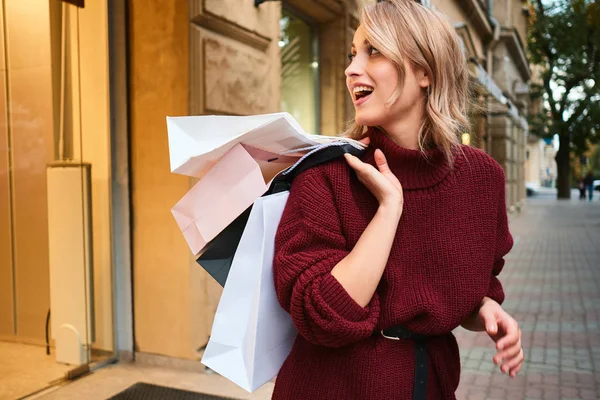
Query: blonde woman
column 378, row 260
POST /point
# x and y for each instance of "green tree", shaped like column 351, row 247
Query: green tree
column 564, row 40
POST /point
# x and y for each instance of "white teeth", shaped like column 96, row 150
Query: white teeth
column 362, row 89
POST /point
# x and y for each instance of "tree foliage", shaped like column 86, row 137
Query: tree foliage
column 564, row 41
column 564, row 44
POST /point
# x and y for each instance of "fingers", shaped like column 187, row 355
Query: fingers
column 381, row 162
column 514, row 371
column 503, row 357
column 512, row 333
column 356, row 164
column 364, row 171
column 365, row 140
column 380, row 181
column 351, row 160
column 384, row 168
column 512, row 365
column 510, row 350
column 488, row 317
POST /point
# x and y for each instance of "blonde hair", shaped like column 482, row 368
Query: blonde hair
column 405, row 30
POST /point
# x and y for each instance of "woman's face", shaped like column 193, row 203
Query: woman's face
column 372, row 79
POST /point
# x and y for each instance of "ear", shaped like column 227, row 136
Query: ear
column 422, row 78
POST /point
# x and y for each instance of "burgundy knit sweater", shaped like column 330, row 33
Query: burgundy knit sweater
column 449, row 248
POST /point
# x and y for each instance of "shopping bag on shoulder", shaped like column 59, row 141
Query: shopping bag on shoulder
column 251, row 334
column 217, row 256
column 225, row 192
column 197, row 142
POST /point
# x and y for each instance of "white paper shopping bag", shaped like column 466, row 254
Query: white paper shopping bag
column 198, row 142
column 251, row 334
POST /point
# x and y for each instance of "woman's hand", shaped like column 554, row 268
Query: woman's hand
column 380, row 181
column 360, row 271
column 505, row 332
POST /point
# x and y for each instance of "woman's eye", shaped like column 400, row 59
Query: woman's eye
column 351, row 56
column 373, row 50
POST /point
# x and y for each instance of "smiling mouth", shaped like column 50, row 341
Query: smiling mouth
column 361, row 92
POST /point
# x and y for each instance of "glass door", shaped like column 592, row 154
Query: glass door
column 56, row 310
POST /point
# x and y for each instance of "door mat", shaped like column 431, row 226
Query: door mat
column 146, row 391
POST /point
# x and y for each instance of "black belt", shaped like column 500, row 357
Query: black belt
column 399, row 332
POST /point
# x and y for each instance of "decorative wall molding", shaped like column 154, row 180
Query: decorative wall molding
column 318, row 10
column 478, row 16
column 513, row 42
column 236, row 79
column 226, row 28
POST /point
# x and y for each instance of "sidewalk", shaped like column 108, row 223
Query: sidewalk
column 552, row 284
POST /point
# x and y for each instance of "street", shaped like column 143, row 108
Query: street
column 552, row 281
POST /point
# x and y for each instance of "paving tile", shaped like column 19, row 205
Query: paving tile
column 552, row 284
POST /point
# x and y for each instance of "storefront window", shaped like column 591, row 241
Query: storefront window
column 300, row 71
column 56, row 309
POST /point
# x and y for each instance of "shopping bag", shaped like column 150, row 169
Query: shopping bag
column 228, row 189
column 252, row 335
column 217, row 256
column 197, row 143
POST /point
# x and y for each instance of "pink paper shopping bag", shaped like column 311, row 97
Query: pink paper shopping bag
column 226, row 191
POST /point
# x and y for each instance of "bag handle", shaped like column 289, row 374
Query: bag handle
column 321, row 154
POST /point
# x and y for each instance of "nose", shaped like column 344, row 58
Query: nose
column 356, row 67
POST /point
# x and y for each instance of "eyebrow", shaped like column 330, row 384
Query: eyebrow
column 365, row 42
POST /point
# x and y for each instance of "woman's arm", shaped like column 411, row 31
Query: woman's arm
column 490, row 317
column 503, row 329
column 333, row 308
column 360, row 271
column 473, row 322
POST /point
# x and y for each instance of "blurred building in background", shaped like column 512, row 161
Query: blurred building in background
column 540, row 165
column 494, row 34
column 92, row 82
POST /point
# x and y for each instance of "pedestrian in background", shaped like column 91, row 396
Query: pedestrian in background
column 378, row 259
column 581, row 187
column 588, row 182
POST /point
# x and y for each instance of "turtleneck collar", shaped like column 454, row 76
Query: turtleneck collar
column 415, row 169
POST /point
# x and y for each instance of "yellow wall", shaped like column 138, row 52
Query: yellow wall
column 161, row 259
column 6, row 276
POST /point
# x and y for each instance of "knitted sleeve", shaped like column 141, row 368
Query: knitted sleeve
column 308, row 244
column 504, row 241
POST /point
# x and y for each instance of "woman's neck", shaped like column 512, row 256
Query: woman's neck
column 404, row 131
